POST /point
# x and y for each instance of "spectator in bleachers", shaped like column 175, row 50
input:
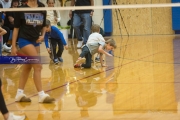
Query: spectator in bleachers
column 53, row 15
column 9, row 21
column 6, row 3
column 6, row 36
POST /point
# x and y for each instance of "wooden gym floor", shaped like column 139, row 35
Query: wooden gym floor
column 141, row 82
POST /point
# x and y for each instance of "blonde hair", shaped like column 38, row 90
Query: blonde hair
column 111, row 42
column 95, row 28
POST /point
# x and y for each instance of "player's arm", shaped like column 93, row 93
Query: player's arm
column 92, row 4
column 72, row 4
column 101, row 60
column 46, row 43
column 17, row 24
column 14, row 39
column 43, row 30
column 58, row 16
column 46, row 40
column 41, row 37
column 10, row 17
column 100, row 50
column 2, row 31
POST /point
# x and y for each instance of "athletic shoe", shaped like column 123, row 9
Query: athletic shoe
column 22, row 98
column 46, row 99
column 56, row 61
column 77, row 66
column 60, row 59
column 16, row 117
column 6, row 48
column 51, row 55
column 98, row 60
column 79, row 44
column 81, row 61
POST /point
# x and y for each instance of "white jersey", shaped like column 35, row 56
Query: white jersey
column 95, row 37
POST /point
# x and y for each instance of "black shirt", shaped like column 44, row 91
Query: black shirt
column 7, row 22
column 83, row 3
column 30, row 23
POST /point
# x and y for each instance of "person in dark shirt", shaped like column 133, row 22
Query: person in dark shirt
column 23, row 2
column 55, row 38
column 9, row 21
column 82, row 17
column 5, row 47
column 2, row 32
column 27, row 28
column 6, row 114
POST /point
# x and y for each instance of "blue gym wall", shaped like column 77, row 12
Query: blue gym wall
column 107, row 19
column 176, row 17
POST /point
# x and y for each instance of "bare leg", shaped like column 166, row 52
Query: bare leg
column 30, row 50
column 24, row 76
column 6, row 116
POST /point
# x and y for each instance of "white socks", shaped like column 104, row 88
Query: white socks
column 41, row 93
column 20, row 91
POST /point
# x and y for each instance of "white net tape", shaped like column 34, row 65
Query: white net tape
column 94, row 7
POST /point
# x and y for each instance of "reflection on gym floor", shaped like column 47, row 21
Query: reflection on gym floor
column 140, row 82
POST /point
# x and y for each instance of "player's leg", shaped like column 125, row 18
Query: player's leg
column 53, row 50
column 87, row 64
column 76, row 25
column 24, row 45
column 87, row 22
column 60, row 50
column 32, row 49
column 4, row 110
column 82, row 58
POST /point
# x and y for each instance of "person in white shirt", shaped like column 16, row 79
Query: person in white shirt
column 52, row 15
column 96, row 37
column 6, row 3
column 95, row 44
